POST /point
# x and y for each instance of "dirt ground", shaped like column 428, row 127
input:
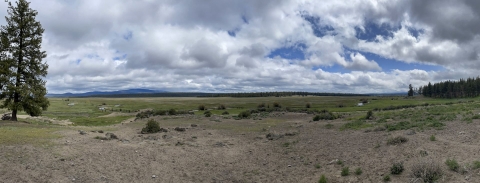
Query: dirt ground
column 227, row 150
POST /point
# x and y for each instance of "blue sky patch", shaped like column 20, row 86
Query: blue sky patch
column 374, row 29
column 293, row 52
column 127, row 36
column 415, row 32
column 120, row 57
column 318, row 29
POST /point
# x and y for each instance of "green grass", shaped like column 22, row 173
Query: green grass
column 16, row 133
column 345, row 171
column 452, row 165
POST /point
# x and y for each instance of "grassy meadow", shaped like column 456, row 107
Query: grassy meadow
column 86, row 111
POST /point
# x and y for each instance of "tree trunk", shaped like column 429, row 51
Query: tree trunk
column 14, row 115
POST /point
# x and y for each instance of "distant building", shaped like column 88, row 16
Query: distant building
column 360, row 104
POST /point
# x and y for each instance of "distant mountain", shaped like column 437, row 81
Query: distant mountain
column 101, row 93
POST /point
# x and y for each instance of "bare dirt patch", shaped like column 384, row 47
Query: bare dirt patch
column 228, row 150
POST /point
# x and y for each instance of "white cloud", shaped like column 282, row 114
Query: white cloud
column 186, row 46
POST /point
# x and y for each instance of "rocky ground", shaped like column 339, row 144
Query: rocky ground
column 282, row 147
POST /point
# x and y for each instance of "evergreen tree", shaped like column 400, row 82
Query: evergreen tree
column 410, row 90
column 21, row 67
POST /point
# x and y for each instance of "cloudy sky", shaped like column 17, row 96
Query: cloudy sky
column 358, row 46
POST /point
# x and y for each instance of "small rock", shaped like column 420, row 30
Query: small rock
column 179, row 129
column 410, row 132
column 154, row 176
column 289, row 165
column 82, row 132
column 111, row 136
column 100, row 131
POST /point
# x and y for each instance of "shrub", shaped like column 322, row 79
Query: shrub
column 172, row 112
column 201, row 107
column 396, row 140
column 432, row 138
column 325, row 115
column 340, row 105
column 452, row 164
column 151, row 127
column 358, row 171
column 276, row 105
column 317, row 166
column 244, row 114
column 316, row 118
column 476, row 165
column 426, row 171
column 345, row 171
column 160, row 113
column 323, row 179
column 386, row 178
column 221, row 107
column 308, row 105
column 225, row 113
column 262, row 105
column 207, row 113
column 397, row 168
column 369, row 115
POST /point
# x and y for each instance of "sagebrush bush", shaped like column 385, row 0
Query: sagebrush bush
column 225, row 113
column 308, row 105
column 369, row 115
column 397, row 168
column 325, row 115
column 151, row 127
column 476, row 165
column 427, row 171
column 221, row 107
column 201, row 107
column 386, row 178
column 244, row 114
column 277, row 105
column 358, row 171
column 207, row 113
column 172, row 112
column 396, row 140
column 262, row 105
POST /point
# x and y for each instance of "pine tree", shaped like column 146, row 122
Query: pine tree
column 21, row 67
column 410, row 90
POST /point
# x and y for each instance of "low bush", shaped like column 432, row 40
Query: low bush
column 244, row 114
column 201, row 107
column 221, row 107
column 207, row 113
column 345, row 171
column 476, row 165
column 308, row 105
column 426, row 171
column 151, row 127
column 172, row 112
column 432, row 138
column 452, row 165
column 369, row 115
column 262, row 105
column 397, row 168
column 225, row 113
column 386, row 178
column 358, row 171
column 323, row 179
column 396, row 140
column 276, row 105
column 325, row 115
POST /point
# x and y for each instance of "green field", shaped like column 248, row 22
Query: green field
column 86, row 112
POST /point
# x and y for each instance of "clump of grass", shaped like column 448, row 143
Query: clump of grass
column 329, row 126
column 358, row 171
column 340, row 162
column 323, row 179
column 452, row 165
column 476, row 165
column 317, row 166
column 426, row 171
column 386, row 178
column 345, row 171
column 225, row 113
column 432, row 138
column 397, row 168
column 151, row 127
column 397, row 140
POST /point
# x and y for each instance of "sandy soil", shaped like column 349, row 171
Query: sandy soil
column 208, row 153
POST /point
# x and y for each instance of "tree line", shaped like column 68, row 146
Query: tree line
column 462, row 88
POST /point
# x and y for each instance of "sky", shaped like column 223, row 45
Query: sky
column 357, row 46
